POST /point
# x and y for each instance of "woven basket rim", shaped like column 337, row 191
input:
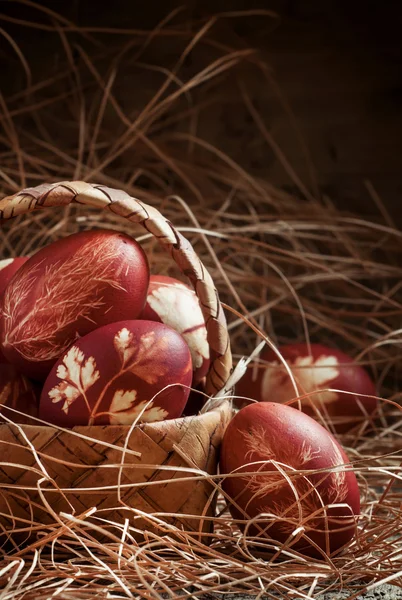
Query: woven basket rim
column 223, row 406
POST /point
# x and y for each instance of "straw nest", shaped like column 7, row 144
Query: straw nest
column 287, row 267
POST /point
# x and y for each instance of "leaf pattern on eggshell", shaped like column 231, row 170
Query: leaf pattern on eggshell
column 257, row 442
column 338, row 489
column 5, row 263
column 125, row 409
column 171, row 302
column 142, row 359
column 123, row 343
column 77, row 375
column 310, row 375
column 274, row 483
column 68, row 291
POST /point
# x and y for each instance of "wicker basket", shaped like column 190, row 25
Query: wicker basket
column 153, row 468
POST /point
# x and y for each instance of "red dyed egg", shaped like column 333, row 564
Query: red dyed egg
column 17, row 393
column 280, row 441
column 172, row 302
column 117, row 374
column 317, row 368
column 66, row 290
column 8, row 267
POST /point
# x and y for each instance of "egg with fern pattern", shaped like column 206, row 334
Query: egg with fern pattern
column 290, row 470
column 118, row 374
column 66, row 290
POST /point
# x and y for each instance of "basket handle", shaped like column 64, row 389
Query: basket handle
column 182, row 252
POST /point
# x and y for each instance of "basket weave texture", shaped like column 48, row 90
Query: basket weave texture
column 153, row 468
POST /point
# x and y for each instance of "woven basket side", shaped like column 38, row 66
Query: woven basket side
column 87, row 467
column 119, row 202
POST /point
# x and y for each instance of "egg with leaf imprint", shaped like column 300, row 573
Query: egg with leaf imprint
column 320, row 372
column 172, row 302
column 18, row 393
column 66, row 290
column 118, row 374
column 8, row 267
column 290, row 474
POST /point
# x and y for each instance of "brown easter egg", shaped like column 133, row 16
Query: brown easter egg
column 66, row 290
column 172, row 302
column 117, row 374
column 298, row 474
column 18, row 393
column 314, row 368
column 8, row 267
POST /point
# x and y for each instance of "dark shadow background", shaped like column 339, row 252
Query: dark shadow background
column 338, row 63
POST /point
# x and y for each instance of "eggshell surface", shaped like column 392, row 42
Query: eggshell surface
column 17, row 393
column 316, row 368
column 8, row 267
column 66, row 290
column 274, row 442
column 172, row 302
column 117, row 374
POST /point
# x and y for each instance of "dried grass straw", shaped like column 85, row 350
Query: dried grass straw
column 288, row 267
